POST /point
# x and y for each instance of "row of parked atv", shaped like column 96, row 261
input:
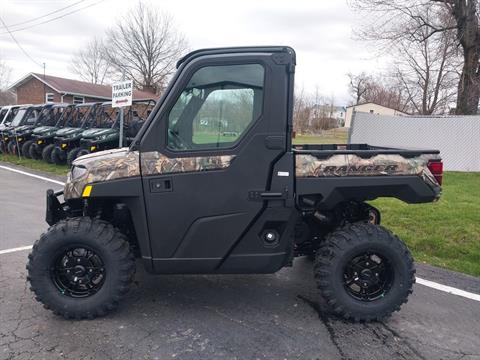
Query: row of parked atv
column 59, row 133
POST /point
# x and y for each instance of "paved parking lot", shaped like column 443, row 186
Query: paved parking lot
column 275, row 316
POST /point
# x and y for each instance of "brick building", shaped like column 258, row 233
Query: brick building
column 39, row 89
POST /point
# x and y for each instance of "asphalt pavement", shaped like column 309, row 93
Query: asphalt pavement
column 277, row 316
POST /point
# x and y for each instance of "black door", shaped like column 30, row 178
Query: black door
column 207, row 154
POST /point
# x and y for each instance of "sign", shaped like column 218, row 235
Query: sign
column 122, row 93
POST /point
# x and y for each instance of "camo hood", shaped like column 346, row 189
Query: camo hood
column 101, row 166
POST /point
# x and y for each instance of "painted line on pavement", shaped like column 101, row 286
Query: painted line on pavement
column 32, row 175
column 448, row 289
column 21, row 248
column 427, row 283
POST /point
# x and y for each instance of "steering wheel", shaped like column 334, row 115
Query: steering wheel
column 176, row 140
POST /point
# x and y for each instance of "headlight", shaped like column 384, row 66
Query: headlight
column 77, row 171
column 39, row 142
column 64, row 146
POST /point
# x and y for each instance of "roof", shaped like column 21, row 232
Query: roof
column 371, row 102
column 76, row 87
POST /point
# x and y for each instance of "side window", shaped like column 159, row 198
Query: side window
column 216, row 107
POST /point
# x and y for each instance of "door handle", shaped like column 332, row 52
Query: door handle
column 160, row 185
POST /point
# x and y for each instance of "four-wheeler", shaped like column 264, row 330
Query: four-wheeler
column 68, row 138
column 25, row 118
column 7, row 113
column 42, row 137
column 105, row 133
column 47, row 119
column 186, row 199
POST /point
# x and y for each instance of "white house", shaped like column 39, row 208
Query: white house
column 371, row 108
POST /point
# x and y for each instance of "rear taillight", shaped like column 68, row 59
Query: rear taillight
column 436, row 168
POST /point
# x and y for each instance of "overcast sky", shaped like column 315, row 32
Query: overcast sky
column 319, row 30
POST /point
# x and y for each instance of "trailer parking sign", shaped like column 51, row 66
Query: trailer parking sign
column 122, row 93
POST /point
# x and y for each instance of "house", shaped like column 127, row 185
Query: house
column 38, row 89
column 329, row 111
column 371, row 108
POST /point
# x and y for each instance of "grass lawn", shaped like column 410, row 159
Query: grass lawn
column 446, row 233
column 35, row 164
column 334, row 136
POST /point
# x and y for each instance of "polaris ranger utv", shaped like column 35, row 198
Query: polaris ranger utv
column 46, row 120
column 26, row 118
column 106, row 134
column 68, row 138
column 43, row 136
column 186, row 199
column 7, row 114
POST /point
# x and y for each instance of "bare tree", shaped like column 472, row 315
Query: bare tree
column 145, row 45
column 358, row 85
column 385, row 90
column 6, row 96
column 422, row 20
column 90, row 63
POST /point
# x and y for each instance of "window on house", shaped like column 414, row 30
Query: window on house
column 371, row 111
column 49, row 97
column 78, row 99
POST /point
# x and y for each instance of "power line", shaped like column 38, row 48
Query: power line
column 45, row 15
column 18, row 44
column 53, row 19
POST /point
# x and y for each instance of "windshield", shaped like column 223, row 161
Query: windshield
column 2, row 115
column 75, row 118
column 18, row 118
column 65, row 115
column 105, row 117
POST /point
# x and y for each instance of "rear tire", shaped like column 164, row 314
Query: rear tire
column 26, row 149
column 364, row 272
column 81, row 268
column 58, row 156
column 72, row 155
column 47, row 153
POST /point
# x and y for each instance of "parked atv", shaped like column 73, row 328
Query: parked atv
column 7, row 113
column 106, row 133
column 185, row 199
column 42, row 137
column 69, row 137
column 47, row 119
column 25, row 119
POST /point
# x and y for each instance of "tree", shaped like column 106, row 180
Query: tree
column 358, row 85
column 431, row 22
column 385, row 90
column 6, row 96
column 91, row 64
column 145, row 45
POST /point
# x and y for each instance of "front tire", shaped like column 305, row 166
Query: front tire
column 364, row 272
column 72, row 155
column 81, row 268
column 35, row 151
column 47, row 153
column 58, row 156
column 12, row 148
column 26, row 149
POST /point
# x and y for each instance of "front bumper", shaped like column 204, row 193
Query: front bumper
column 56, row 210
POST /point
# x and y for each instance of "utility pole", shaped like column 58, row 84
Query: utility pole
column 120, row 140
column 44, row 86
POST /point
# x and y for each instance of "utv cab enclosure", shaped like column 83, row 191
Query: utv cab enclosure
column 68, row 138
column 43, row 136
column 212, row 184
column 25, row 119
column 105, row 133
